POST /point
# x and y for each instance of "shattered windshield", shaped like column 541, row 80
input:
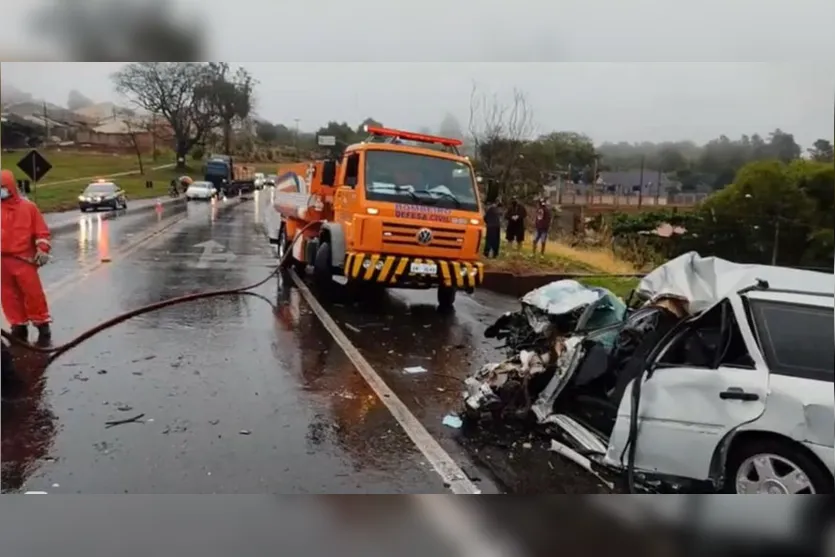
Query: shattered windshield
column 419, row 180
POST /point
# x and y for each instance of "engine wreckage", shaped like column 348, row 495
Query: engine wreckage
column 579, row 357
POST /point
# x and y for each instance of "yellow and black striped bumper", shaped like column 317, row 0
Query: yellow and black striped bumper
column 395, row 270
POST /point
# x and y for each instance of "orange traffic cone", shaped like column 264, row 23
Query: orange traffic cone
column 104, row 242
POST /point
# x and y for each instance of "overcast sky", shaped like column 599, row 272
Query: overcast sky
column 610, row 102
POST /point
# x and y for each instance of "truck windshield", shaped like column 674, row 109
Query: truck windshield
column 217, row 168
column 419, row 180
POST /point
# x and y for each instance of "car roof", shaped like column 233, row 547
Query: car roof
column 821, row 299
column 101, row 184
column 203, row 183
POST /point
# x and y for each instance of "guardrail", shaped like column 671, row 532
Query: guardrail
column 612, row 200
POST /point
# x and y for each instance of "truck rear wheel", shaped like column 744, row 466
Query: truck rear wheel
column 446, row 298
column 322, row 267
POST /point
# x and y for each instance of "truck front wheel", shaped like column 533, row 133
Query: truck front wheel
column 446, row 298
column 322, row 267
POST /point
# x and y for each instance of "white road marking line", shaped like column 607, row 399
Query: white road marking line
column 463, row 528
column 440, row 460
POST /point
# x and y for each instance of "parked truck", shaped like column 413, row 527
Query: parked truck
column 398, row 210
column 228, row 178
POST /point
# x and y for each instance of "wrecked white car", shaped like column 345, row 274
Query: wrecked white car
column 722, row 380
column 535, row 342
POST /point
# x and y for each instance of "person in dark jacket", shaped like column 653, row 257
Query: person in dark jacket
column 516, row 215
column 493, row 223
column 542, row 225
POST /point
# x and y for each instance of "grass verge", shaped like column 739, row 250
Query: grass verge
column 560, row 258
column 69, row 165
column 56, row 193
column 64, row 197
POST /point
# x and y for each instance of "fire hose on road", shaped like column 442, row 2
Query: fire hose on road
column 56, row 351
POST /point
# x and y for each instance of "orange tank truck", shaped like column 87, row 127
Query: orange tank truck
column 399, row 210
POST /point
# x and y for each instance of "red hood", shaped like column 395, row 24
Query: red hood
column 8, row 181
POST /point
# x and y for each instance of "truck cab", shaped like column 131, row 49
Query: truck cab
column 400, row 210
column 218, row 171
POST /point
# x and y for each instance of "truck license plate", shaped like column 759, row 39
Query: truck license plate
column 424, row 269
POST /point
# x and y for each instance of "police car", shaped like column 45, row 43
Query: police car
column 102, row 195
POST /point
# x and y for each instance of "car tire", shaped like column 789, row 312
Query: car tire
column 785, row 454
column 446, row 298
column 322, row 266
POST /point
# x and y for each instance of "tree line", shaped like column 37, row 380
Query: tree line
column 773, row 212
column 713, row 165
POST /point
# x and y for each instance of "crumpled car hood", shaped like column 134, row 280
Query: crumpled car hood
column 560, row 297
column 704, row 281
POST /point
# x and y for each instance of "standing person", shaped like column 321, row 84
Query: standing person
column 542, row 225
column 516, row 215
column 493, row 222
column 25, row 248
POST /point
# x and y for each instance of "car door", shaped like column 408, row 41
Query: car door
column 694, row 392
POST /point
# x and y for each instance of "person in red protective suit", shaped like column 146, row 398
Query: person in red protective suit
column 25, row 248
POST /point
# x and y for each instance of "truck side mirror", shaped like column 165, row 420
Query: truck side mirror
column 328, row 173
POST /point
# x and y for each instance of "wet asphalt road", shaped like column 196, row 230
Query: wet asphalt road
column 244, row 394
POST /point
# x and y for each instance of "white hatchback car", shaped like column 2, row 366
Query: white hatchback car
column 201, row 190
column 739, row 397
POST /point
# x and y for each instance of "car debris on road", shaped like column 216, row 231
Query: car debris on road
column 718, row 376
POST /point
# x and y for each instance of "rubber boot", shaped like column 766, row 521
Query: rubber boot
column 44, row 335
column 21, row 332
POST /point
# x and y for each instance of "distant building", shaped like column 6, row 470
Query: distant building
column 633, row 182
column 128, row 132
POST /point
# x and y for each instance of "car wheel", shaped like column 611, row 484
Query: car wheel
column 322, row 266
column 775, row 467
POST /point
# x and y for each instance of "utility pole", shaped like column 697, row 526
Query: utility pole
column 154, row 136
column 296, row 138
column 776, row 240
column 641, row 187
column 46, row 124
column 658, row 188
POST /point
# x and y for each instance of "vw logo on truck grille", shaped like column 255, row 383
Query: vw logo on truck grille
column 424, row 236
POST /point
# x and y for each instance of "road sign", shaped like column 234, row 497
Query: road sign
column 34, row 165
column 326, row 140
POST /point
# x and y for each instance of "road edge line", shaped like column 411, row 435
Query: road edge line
column 452, row 474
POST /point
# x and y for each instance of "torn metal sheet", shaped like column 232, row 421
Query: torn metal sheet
column 704, row 281
column 560, row 297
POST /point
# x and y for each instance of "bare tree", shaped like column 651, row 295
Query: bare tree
column 231, row 97
column 179, row 92
column 498, row 131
